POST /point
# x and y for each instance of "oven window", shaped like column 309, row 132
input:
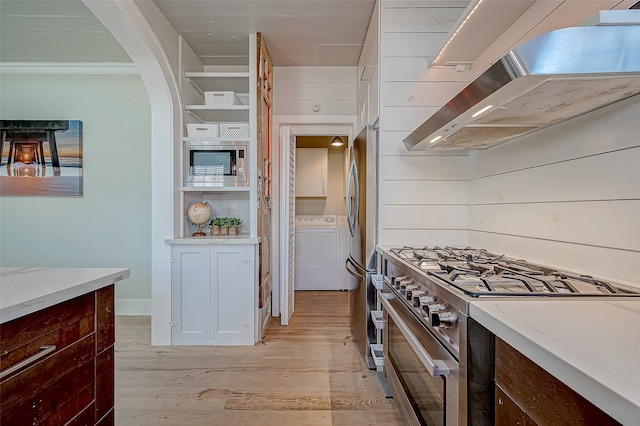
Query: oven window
column 425, row 392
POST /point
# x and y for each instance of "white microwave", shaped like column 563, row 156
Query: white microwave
column 215, row 164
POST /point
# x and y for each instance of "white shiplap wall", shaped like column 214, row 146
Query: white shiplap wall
column 567, row 196
column 422, row 196
column 297, row 89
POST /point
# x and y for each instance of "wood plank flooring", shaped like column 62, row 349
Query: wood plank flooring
column 307, row 373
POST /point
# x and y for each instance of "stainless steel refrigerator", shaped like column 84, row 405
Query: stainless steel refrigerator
column 361, row 196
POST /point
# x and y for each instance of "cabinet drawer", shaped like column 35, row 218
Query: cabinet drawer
column 85, row 417
column 71, row 370
column 544, row 398
column 60, row 325
column 40, row 406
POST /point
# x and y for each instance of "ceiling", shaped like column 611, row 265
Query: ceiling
column 320, row 142
column 54, row 31
column 297, row 32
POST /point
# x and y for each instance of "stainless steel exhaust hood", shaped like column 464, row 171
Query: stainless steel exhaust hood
column 548, row 79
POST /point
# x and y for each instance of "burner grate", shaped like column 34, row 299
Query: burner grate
column 478, row 272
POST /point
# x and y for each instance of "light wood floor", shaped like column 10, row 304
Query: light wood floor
column 308, row 373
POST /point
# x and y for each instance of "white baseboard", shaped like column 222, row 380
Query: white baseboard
column 133, row 307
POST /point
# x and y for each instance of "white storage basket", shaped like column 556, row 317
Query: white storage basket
column 211, row 130
column 220, row 99
column 234, row 130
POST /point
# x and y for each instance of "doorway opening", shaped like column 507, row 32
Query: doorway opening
column 305, row 136
column 321, row 231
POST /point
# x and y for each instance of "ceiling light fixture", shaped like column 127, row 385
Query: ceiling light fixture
column 337, row 141
column 456, row 32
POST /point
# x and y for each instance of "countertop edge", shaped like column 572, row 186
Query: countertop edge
column 227, row 240
column 609, row 400
column 46, row 300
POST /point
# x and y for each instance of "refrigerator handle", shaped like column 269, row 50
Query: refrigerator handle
column 360, row 271
column 352, row 214
column 352, row 271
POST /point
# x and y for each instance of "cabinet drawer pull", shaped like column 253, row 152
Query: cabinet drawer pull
column 44, row 351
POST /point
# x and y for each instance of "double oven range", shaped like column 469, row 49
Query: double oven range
column 438, row 361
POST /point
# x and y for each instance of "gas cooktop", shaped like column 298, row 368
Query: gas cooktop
column 477, row 272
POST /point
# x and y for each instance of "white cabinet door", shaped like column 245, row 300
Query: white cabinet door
column 231, row 318
column 311, row 172
column 369, row 74
column 373, row 96
column 363, row 109
column 213, row 295
column 191, row 297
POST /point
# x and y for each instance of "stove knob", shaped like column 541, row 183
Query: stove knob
column 402, row 281
column 416, row 297
column 408, row 291
column 402, row 286
column 432, row 308
column 443, row 319
column 396, row 280
column 425, row 301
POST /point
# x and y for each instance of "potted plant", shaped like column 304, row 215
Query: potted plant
column 234, row 225
column 225, row 225
column 216, row 226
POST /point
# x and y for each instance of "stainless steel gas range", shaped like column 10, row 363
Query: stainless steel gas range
column 438, row 361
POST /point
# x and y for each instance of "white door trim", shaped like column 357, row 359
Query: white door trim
column 296, row 126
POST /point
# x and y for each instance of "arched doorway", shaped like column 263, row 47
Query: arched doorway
column 129, row 25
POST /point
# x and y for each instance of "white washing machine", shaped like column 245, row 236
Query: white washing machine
column 318, row 262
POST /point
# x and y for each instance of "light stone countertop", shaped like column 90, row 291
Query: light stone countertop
column 27, row 290
column 221, row 239
column 593, row 346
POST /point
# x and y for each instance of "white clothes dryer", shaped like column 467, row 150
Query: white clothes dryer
column 318, row 263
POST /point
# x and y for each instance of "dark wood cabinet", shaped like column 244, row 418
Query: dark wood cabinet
column 526, row 394
column 508, row 413
column 57, row 364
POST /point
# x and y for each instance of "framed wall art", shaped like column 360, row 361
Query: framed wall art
column 41, row 157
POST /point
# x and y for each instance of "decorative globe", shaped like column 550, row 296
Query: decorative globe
column 199, row 214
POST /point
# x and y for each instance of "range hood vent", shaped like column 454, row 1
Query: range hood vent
column 547, row 80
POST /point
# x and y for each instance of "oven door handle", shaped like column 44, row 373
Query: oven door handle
column 435, row 367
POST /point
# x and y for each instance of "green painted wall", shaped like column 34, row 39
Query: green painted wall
column 109, row 226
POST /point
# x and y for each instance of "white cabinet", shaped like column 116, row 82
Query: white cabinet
column 311, row 172
column 213, row 294
column 369, row 74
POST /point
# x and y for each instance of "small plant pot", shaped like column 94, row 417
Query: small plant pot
column 233, row 230
column 215, row 230
column 224, row 230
